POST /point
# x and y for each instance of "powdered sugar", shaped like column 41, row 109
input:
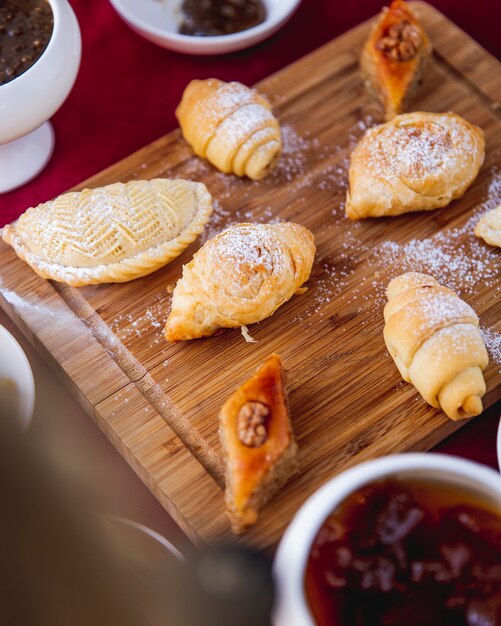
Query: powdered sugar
column 411, row 149
column 457, row 262
column 492, row 341
column 441, row 309
column 153, row 318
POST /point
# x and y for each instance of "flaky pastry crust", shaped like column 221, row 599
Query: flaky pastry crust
column 230, row 125
column 110, row 234
column 239, row 277
column 434, row 339
column 416, row 162
column 489, row 227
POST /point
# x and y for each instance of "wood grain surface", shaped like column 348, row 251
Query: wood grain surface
column 158, row 402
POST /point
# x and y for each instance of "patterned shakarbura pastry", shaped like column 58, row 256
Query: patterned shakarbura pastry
column 489, row 227
column 258, row 443
column 239, row 277
column 110, row 234
column 416, row 162
column 394, row 57
column 230, row 125
column 434, row 339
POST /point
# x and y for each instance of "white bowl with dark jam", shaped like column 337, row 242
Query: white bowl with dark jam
column 40, row 48
column 205, row 26
column 404, row 540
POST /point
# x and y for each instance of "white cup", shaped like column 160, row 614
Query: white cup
column 291, row 607
column 28, row 101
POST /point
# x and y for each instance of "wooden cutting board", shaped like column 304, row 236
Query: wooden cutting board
column 158, row 403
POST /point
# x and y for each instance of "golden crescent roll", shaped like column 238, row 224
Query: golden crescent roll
column 110, row 234
column 434, row 339
column 230, row 125
column 415, row 162
column 489, row 227
column 239, row 277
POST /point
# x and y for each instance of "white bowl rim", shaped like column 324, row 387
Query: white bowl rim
column 153, row 534
column 498, row 447
column 56, row 14
column 26, row 418
column 207, row 42
column 294, row 548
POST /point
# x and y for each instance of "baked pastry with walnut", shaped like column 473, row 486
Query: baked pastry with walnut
column 394, row 57
column 231, row 126
column 415, row 162
column 489, row 227
column 434, row 339
column 239, row 277
column 258, row 443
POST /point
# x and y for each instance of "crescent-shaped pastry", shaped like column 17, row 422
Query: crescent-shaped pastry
column 258, row 443
column 239, row 277
column 415, row 162
column 110, row 234
column 394, row 57
column 489, row 227
column 434, row 339
column 230, row 125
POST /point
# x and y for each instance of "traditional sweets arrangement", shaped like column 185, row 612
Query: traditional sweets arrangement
column 434, row 339
column 394, row 58
column 239, row 277
column 489, row 227
column 415, row 162
column 112, row 234
column 231, row 126
column 258, row 443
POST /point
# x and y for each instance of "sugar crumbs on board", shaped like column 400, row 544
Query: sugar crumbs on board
column 128, row 326
column 492, row 341
column 458, row 262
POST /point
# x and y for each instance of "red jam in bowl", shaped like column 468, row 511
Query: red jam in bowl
column 407, row 553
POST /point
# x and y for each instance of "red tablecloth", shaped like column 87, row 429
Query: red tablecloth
column 128, row 88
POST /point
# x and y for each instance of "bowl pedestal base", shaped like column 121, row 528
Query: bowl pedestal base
column 24, row 158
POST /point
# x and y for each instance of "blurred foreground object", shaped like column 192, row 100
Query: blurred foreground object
column 64, row 564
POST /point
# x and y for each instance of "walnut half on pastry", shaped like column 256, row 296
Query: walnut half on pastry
column 231, row 126
column 239, row 277
column 434, row 339
column 110, row 234
column 416, row 162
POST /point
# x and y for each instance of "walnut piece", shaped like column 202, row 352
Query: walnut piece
column 402, row 41
column 251, row 424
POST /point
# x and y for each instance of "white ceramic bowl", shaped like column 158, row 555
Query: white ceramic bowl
column 28, row 101
column 292, row 554
column 158, row 21
column 15, row 366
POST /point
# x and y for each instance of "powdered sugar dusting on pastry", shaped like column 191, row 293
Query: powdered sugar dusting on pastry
column 412, row 151
column 442, row 308
column 248, row 249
